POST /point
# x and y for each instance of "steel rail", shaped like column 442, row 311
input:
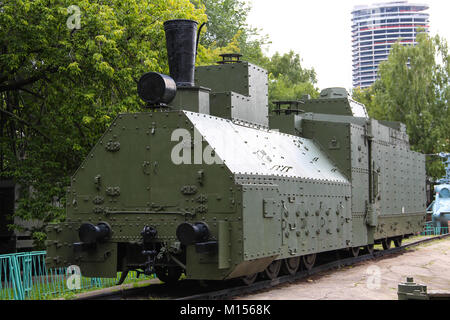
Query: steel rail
column 116, row 294
column 227, row 293
column 269, row 284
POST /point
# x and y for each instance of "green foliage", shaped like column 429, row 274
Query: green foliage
column 413, row 88
column 39, row 240
column 225, row 19
column 289, row 66
column 210, row 55
column 282, row 89
column 227, row 23
column 288, row 80
column 367, row 96
column 61, row 88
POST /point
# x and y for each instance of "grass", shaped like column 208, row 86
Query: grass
column 47, row 287
column 136, row 282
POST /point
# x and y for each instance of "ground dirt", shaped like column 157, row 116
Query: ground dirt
column 377, row 279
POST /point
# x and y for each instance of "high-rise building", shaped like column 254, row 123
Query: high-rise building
column 375, row 28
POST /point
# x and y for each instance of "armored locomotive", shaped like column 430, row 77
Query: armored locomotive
column 207, row 183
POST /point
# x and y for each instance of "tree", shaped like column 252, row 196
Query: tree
column 366, row 96
column 66, row 72
column 61, row 86
column 228, row 32
column 413, row 88
column 227, row 23
column 288, row 80
column 289, row 65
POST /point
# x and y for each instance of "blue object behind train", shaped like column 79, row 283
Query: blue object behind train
column 441, row 205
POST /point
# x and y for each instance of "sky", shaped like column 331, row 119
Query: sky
column 320, row 32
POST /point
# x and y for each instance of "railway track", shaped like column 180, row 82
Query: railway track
column 228, row 289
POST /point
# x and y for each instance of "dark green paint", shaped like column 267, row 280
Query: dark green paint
column 129, row 181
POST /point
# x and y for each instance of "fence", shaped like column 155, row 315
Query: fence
column 431, row 230
column 25, row 276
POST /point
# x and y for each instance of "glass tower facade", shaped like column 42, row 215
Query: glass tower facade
column 375, row 28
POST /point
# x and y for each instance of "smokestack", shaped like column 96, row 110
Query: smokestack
column 181, row 38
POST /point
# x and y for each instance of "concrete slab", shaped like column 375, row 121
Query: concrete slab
column 428, row 264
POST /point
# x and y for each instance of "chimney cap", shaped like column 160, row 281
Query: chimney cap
column 230, row 58
column 178, row 22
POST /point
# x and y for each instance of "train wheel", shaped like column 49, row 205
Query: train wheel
column 386, row 243
column 290, row 265
column 248, row 280
column 168, row 275
column 369, row 248
column 398, row 242
column 354, row 252
column 308, row 261
column 272, row 271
